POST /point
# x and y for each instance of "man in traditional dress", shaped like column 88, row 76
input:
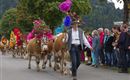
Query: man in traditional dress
column 75, row 40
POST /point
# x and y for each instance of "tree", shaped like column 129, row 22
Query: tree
column 103, row 15
column 6, row 4
column 12, row 19
column 8, row 21
column 48, row 10
column 126, row 10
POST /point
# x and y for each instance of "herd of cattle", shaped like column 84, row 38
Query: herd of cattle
column 55, row 51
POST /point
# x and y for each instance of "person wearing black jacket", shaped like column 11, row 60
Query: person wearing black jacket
column 122, row 64
column 127, row 47
column 108, row 47
column 115, row 33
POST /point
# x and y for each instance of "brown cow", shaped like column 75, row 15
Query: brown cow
column 19, row 50
column 34, row 49
column 4, row 45
column 47, row 49
column 60, row 50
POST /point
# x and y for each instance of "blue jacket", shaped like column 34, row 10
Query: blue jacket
column 95, row 43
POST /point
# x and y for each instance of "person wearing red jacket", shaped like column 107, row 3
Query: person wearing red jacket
column 101, row 53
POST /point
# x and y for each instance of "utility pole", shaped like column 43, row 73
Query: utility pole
column 128, row 7
column 126, row 11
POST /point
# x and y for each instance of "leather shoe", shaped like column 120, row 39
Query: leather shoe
column 74, row 78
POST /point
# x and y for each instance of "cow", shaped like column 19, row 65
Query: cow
column 34, row 49
column 4, row 45
column 40, row 50
column 60, row 52
column 58, row 49
column 47, row 49
column 18, row 48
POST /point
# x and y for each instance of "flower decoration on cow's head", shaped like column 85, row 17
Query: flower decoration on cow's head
column 39, row 26
column 37, row 22
column 16, row 31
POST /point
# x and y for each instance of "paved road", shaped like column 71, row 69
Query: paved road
column 16, row 69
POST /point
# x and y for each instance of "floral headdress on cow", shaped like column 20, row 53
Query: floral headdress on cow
column 12, row 39
column 4, row 40
column 39, row 26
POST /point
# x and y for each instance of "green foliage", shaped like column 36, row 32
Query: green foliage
column 81, row 7
column 8, row 21
column 52, row 15
column 28, row 10
column 6, row 4
column 12, row 19
column 103, row 15
column 48, row 9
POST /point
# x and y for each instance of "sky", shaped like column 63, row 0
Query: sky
column 117, row 4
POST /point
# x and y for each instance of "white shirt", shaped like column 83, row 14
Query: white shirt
column 86, row 43
column 75, row 37
column 76, row 40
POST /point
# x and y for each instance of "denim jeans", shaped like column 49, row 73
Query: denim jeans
column 108, row 58
column 128, row 58
column 116, row 58
column 75, row 59
column 93, row 58
column 101, row 55
column 95, row 55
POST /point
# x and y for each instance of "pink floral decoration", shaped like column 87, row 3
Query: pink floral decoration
column 37, row 22
column 49, row 35
column 30, row 35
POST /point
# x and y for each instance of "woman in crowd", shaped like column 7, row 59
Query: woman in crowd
column 116, row 47
column 116, row 34
column 95, row 46
column 89, row 38
column 101, row 53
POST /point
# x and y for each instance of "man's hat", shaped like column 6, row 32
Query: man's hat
column 75, row 22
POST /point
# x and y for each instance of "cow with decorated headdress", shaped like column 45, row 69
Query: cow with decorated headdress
column 12, row 41
column 39, row 40
column 16, row 42
column 4, row 44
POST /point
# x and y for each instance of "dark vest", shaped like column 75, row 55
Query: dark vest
column 80, row 37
